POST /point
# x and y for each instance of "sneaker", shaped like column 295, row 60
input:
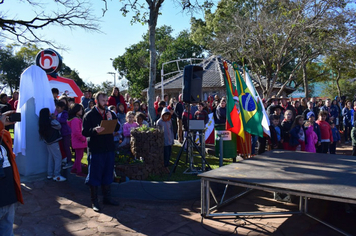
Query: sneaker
column 49, row 177
column 59, row 178
column 67, row 166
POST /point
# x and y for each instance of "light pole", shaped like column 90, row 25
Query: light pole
column 114, row 74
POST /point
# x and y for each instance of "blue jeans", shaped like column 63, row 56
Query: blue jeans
column 100, row 169
column 7, row 217
column 167, row 155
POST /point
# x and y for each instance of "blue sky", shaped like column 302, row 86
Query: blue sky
column 89, row 52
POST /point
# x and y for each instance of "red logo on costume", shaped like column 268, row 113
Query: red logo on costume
column 49, row 60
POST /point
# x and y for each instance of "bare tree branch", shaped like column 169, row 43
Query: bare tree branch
column 73, row 14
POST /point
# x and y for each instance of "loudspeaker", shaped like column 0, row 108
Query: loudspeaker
column 192, row 83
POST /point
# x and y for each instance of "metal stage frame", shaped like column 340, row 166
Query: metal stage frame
column 306, row 175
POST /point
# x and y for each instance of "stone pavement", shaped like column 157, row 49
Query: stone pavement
column 53, row 208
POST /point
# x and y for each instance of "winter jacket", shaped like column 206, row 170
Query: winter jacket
column 346, row 114
column 336, row 134
column 353, row 136
column 78, row 140
column 311, row 138
column 98, row 143
column 113, row 101
column 294, row 135
column 62, row 119
column 167, row 127
column 54, row 133
column 325, row 131
column 286, row 127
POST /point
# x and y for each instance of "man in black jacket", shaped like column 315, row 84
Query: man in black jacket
column 102, row 151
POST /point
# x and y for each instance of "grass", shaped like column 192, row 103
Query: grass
column 182, row 166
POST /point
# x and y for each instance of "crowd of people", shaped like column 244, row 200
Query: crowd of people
column 311, row 126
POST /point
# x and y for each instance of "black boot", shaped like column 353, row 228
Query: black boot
column 107, row 196
column 94, row 198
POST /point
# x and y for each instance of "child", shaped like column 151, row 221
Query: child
column 121, row 116
column 79, row 142
column 166, row 124
column 140, row 119
column 325, row 132
column 311, row 137
column 62, row 117
column 353, row 138
column 275, row 141
column 49, row 132
column 286, row 127
column 336, row 137
column 297, row 134
column 130, row 124
column 316, row 128
column 136, row 106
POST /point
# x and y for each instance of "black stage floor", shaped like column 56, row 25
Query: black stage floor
column 316, row 175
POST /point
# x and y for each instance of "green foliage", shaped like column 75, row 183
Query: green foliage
column 134, row 64
column 11, row 67
column 275, row 38
column 67, row 72
column 145, row 128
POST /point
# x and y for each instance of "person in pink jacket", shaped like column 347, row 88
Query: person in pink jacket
column 311, row 137
column 79, row 142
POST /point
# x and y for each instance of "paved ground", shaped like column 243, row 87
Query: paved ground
column 62, row 209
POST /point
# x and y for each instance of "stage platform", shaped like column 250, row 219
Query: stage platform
column 307, row 175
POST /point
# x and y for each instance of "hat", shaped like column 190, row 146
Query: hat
column 310, row 114
column 283, row 97
column 272, row 98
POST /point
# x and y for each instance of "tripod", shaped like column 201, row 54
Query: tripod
column 190, row 143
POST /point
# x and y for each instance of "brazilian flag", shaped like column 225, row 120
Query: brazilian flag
column 251, row 116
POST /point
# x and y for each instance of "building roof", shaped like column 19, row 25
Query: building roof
column 212, row 76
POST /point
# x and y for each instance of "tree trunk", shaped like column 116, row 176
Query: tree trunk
column 152, row 47
column 337, row 82
column 305, row 80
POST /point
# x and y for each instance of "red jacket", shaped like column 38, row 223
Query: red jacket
column 325, row 130
column 112, row 101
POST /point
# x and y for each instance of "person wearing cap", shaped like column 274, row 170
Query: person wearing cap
column 274, row 102
column 316, row 128
column 166, row 124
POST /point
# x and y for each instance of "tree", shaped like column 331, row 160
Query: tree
column 270, row 36
column 150, row 17
column 341, row 65
column 67, row 72
column 134, row 64
column 70, row 13
column 11, row 67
